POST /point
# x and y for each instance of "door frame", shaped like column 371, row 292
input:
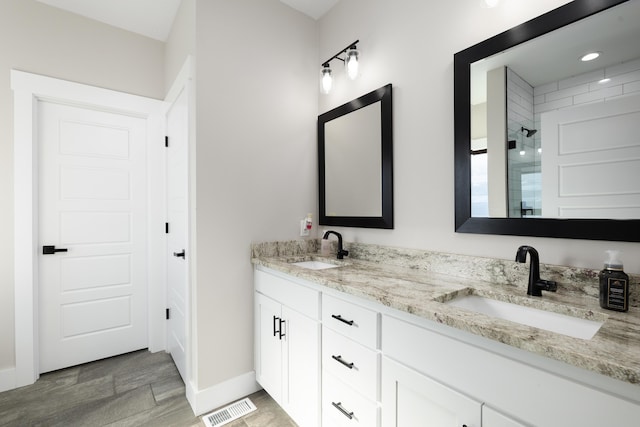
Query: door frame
column 28, row 89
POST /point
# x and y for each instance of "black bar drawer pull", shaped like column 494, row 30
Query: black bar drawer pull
column 338, row 317
column 50, row 250
column 344, row 412
column 275, row 320
column 280, row 330
column 339, row 359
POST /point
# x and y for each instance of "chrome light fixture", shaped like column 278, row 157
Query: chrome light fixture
column 351, row 62
column 326, row 80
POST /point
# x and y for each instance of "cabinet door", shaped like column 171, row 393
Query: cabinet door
column 411, row 399
column 301, row 375
column 268, row 357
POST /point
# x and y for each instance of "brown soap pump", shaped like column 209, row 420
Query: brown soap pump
column 614, row 284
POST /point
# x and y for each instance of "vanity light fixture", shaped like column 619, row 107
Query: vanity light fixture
column 326, row 80
column 589, row 56
column 351, row 61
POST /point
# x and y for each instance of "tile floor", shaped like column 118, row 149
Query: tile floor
column 134, row 389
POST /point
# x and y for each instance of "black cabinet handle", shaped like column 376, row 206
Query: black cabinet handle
column 278, row 331
column 179, row 254
column 344, row 412
column 275, row 320
column 338, row 317
column 50, row 250
column 339, row 359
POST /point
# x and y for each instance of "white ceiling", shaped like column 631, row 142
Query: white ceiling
column 313, row 8
column 151, row 18
column 154, row 18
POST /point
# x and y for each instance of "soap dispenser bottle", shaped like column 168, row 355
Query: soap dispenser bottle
column 614, row 284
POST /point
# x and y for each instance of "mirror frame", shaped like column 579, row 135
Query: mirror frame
column 384, row 95
column 590, row 229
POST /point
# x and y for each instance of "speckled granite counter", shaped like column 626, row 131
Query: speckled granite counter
column 419, row 282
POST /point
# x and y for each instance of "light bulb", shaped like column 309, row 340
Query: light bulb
column 522, row 152
column 326, row 80
column 590, row 56
column 352, row 63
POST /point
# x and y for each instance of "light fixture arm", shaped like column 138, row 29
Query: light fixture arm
column 337, row 55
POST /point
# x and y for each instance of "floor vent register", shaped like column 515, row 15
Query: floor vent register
column 229, row 413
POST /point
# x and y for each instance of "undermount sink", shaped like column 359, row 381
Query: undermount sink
column 542, row 319
column 315, row 265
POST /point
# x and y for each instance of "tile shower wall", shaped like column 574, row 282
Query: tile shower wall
column 586, row 88
column 520, row 113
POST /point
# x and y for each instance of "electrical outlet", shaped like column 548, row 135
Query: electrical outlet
column 304, row 231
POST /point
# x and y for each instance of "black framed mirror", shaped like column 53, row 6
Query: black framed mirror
column 543, row 28
column 355, row 162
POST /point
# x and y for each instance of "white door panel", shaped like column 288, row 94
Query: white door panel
column 177, row 217
column 93, row 192
column 591, row 160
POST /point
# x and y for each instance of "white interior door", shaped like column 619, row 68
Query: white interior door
column 93, row 204
column 177, row 228
column 591, row 160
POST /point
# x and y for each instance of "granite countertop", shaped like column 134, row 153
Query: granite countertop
column 614, row 351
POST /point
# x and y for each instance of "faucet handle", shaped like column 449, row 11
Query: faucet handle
column 548, row 285
column 342, row 253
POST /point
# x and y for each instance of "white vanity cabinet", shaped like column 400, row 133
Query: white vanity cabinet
column 412, row 399
column 331, row 359
column 461, row 381
column 350, row 364
column 287, row 345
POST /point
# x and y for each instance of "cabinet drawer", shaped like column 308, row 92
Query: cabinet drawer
column 302, row 299
column 358, row 323
column 351, row 362
column 339, row 403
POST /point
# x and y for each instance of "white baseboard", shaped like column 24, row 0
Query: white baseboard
column 7, row 379
column 206, row 400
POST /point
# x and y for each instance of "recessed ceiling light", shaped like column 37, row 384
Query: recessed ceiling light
column 590, row 56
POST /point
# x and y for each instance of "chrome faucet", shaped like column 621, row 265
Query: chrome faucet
column 341, row 252
column 536, row 284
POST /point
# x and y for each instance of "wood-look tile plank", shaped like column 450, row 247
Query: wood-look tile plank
column 104, row 411
column 132, row 390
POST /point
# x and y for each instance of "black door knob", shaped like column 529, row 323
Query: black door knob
column 179, row 254
column 50, row 250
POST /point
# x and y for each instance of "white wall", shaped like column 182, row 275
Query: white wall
column 257, row 65
column 411, row 44
column 181, row 41
column 44, row 40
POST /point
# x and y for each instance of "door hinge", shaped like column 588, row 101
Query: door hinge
column 166, row 228
column 167, row 315
column 166, row 141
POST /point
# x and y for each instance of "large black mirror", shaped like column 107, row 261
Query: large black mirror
column 536, row 153
column 355, row 162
